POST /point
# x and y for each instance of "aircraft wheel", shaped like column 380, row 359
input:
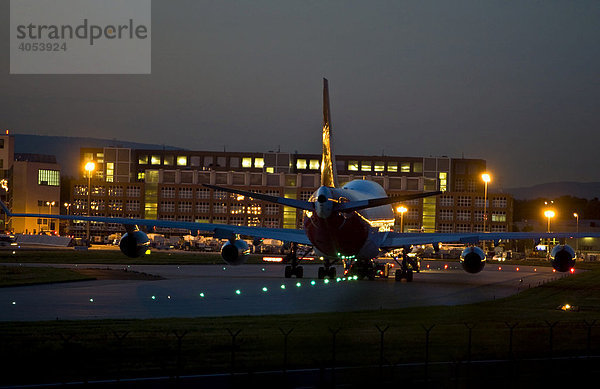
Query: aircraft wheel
column 398, row 275
column 288, row 272
column 331, row 272
column 409, row 275
column 299, row 272
column 321, row 273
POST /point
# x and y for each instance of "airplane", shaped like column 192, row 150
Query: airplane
column 342, row 224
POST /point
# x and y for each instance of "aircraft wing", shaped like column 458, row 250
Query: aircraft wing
column 221, row 231
column 391, row 240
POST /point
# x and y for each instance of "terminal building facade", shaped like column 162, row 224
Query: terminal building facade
column 167, row 185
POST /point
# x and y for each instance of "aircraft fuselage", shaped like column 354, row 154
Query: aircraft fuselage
column 347, row 234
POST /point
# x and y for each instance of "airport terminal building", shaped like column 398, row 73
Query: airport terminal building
column 167, row 184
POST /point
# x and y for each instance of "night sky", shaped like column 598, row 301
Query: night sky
column 513, row 82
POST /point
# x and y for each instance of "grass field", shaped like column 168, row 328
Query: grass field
column 74, row 350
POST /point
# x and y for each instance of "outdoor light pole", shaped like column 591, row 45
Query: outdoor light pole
column 486, row 179
column 576, row 215
column 89, row 167
column 401, row 209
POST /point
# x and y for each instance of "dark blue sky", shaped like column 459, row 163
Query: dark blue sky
column 513, row 82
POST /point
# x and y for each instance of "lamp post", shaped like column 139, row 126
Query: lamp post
column 486, row 179
column 89, row 167
column 50, row 204
column 576, row 216
column 549, row 214
column 401, row 209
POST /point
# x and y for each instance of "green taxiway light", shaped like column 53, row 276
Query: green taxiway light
column 201, row 295
column 326, row 280
column 91, row 300
column 153, row 297
column 313, row 282
column 298, row 284
column 264, row 289
column 282, row 286
column 238, row 292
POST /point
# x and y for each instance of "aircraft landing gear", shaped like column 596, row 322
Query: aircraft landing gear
column 328, row 271
column 406, row 268
column 294, row 269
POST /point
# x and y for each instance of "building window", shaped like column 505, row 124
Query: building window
column 446, row 214
column 182, row 160
column 446, row 201
column 301, row 164
column 133, row 191
column 203, row 194
column 353, row 166
column 169, row 159
column 246, row 162
column 48, row 177
column 167, row 193
column 418, row 167
column 185, row 206
column 202, row 207
column 405, row 167
column 463, row 201
column 365, row 166
column 499, row 217
column 463, row 215
column 499, row 202
column 259, row 163
column 143, row 159
column 167, row 206
column 314, row 164
column 392, row 167
column 155, row 160
column 443, row 181
column 379, row 166
column 186, row 193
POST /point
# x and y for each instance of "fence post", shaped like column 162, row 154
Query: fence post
column 551, row 340
column 589, row 336
column 511, row 328
column 427, row 332
column 286, row 334
column 179, row 336
column 334, row 333
column 381, row 348
column 233, row 337
column 120, row 337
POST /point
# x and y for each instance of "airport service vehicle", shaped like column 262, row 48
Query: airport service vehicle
column 351, row 224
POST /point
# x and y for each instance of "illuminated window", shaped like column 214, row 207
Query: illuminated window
column 353, row 165
column 246, row 162
column 418, row 167
column 301, row 164
column 405, row 167
column 155, row 160
column 365, row 166
column 141, row 175
column 392, row 167
column 498, row 216
column 181, row 160
column 443, row 181
column 270, row 170
column 48, row 177
column 379, row 166
column 110, row 171
column 143, row 159
column 169, row 159
column 259, row 162
column 314, row 164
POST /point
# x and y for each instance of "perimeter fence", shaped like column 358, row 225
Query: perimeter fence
column 351, row 353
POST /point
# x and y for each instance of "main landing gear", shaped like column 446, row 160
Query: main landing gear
column 406, row 268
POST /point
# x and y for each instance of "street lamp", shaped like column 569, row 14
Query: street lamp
column 89, row 167
column 50, row 204
column 401, row 209
column 549, row 214
column 486, row 179
column 576, row 216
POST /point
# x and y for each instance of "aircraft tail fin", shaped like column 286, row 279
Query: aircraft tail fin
column 328, row 167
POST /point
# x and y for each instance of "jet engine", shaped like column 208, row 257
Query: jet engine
column 134, row 244
column 235, row 252
column 562, row 257
column 472, row 259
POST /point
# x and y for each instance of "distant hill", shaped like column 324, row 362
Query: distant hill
column 585, row 190
column 66, row 149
